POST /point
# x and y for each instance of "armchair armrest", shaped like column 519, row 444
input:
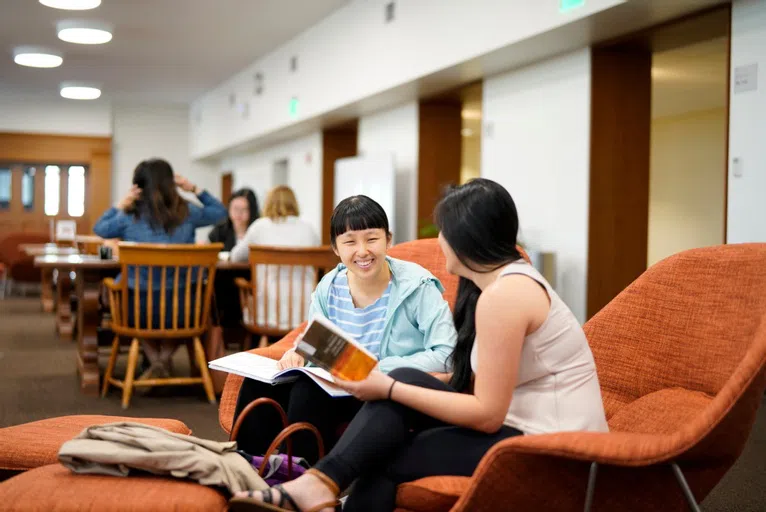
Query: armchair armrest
column 111, row 285
column 246, row 302
column 243, row 283
column 114, row 291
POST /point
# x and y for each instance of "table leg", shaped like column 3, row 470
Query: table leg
column 63, row 307
column 88, row 320
column 46, row 292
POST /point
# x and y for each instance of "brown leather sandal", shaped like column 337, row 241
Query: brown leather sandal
column 250, row 504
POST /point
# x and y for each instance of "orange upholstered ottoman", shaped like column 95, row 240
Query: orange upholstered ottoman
column 432, row 494
column 35, row 444
column 54, row 488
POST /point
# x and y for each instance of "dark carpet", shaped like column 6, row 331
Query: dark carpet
column 38, row 380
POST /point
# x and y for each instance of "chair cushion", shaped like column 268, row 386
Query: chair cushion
column 435, row 493
column 663, row 412
column 35, row 444
column 55, row 488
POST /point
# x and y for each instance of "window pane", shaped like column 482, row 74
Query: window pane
column 76, row 191
column 5, row 189
column 28, row 188
column 52, row 190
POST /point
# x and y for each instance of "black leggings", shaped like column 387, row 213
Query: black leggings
column 388, row 444
column 303, row 400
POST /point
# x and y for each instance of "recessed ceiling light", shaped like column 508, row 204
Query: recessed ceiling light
column 72, row 5
column 37, row 57
column 84, row 32
column 79, row 91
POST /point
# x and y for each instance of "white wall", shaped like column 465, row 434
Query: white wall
column 747, row 126
column 55, row 115
column 686, row 183
column 395, row 132
column 537, row 144
column 304, row 156
column 353, row 54
column 141, row 132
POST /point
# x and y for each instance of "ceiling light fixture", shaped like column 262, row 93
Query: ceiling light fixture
column 79, row 91
column 84, row 32
column 37, row 57
column 72, row 5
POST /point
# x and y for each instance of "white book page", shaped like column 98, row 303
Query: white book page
column 247, row 365
column 264, row 369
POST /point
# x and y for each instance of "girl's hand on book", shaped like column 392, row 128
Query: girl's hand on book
column 290, row 360
column 374, row 387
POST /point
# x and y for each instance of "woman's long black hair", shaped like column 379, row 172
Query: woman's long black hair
column 160, row 203
column 252, row 204
column 480, row 223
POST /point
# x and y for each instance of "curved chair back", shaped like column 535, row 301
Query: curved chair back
column 686, row 322
column 277, row 298
column 183, row 276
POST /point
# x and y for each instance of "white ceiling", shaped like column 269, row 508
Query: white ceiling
column 168, row 51
column 691, row 78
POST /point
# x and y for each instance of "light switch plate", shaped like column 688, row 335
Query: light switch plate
column 736, row 167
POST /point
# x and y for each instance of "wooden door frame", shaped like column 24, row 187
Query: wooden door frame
column 227, row 187
column 337, row 142
column 440, row 148
column 619, row 161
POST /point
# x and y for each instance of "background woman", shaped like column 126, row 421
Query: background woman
column 154, row 212
column 243, row 211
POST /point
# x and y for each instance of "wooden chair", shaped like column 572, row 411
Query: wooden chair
column 297, row 262
column 156, row 259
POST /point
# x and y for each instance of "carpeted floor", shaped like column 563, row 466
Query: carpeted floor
column 38, row 380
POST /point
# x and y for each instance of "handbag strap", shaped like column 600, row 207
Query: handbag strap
column 247, row 410
column 284, row 435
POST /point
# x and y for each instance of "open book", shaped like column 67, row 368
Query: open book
column 329, row 347
column 265, row 370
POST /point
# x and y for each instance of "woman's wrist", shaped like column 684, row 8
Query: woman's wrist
column 391, row 388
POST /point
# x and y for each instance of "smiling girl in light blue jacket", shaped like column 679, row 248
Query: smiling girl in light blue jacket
column 392, row 307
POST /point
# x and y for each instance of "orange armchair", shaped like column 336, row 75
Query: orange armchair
column 680, row 354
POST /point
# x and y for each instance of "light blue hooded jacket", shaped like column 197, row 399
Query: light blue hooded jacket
column 419, row 331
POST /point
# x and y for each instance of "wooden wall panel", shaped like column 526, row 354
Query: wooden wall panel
column 227, row 184
column 95, row 153
column 619, row 171
column 99, row 186
column 338, row 142
column 439, row 154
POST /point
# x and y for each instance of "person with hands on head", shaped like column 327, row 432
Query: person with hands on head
column 394, row 308
column 153, row 211
column 522, row 365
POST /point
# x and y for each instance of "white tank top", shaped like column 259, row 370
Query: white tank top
column 557, row 388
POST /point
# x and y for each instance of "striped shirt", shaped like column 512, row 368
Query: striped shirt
column 366, row 325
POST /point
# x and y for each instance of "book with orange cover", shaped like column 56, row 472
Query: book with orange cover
column 328, row 346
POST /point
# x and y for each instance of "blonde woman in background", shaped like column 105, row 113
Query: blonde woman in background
column 280, row 226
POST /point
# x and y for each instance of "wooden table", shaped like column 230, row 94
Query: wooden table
column 46, row 283
column 89, row 271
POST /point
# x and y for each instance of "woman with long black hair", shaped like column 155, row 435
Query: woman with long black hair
column 243, row 211
column 153, row 211
column 522, row 365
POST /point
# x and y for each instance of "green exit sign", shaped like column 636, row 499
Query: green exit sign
column 293, row 107
column 568, row 5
